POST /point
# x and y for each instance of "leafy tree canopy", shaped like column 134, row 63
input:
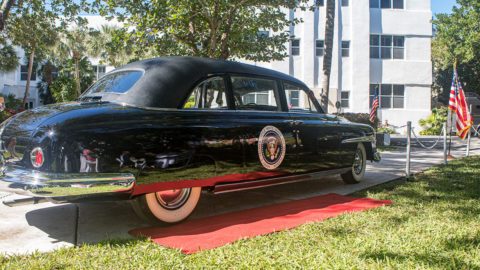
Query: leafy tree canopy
column 208, row 28
column 8, row 58
column 64, row 11
column 111, row 45
column 457, row 38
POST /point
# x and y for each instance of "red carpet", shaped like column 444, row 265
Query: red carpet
column 210, row 232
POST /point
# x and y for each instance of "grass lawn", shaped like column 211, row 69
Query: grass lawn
column 434, row 222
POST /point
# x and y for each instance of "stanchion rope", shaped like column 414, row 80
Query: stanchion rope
column 476, row 130
column 424, row 146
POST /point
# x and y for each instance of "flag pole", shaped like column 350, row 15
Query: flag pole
column 449, row 156
column 450, row 135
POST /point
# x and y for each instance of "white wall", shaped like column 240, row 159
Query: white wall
column 360, row 57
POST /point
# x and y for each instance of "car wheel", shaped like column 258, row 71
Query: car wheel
column 169, row 206
column 358, row 167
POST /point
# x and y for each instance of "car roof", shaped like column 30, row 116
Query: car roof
column 167, row 81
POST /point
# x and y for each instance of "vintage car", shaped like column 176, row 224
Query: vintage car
column 159, row 131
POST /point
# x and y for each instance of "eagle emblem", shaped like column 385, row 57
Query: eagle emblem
column 271, row 147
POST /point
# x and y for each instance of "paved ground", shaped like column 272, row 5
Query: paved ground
column 45, row 227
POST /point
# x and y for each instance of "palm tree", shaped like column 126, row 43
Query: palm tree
column 110, row 46
column 35, row 33
column 73, row 45
column 327, row 57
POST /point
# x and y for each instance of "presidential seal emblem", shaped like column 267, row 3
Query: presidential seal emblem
column 271, row 147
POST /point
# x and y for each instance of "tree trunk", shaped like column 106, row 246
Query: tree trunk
column 29, row 76
column 5, row 10
column 49, row 78
column 48, row 73
column 327, row 57
column 77, row 77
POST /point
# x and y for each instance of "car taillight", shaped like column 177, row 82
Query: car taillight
column 36, row 157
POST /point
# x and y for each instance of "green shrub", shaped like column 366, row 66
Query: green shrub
column 64, row 88
column 386, row 130
column 12, row 107
column 12, row 102
column 433, row 124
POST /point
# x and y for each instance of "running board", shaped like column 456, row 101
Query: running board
column 245, row 185
column 25, row 201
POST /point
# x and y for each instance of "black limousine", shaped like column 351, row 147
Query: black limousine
column 160, row 131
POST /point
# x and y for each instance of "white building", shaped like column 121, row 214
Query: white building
column 15, row 82
column 377, row 43
column 384, row 43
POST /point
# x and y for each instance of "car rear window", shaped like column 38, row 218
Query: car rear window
column 118, row 82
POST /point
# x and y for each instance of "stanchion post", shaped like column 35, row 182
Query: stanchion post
column 469, row 135
column 409, row 134
column 444, row 130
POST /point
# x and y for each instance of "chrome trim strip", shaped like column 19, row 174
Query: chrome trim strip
column 359, row 139
column 245, row 185
column 61, row 185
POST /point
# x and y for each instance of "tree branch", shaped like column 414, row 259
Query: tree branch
column 224, row 53
column 5, row 10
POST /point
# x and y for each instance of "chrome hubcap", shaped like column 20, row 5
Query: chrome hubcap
column 358, row 162
column 173, row 199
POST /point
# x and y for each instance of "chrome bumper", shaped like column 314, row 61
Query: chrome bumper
column 65, row 187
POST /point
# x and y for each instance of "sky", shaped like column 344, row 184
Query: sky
column 442, row 6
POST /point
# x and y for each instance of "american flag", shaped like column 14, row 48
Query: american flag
column 458, row 104
column 373, row 112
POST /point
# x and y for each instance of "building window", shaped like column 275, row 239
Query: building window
column 28, row 105
column 386, row 3
column 99, row 71
column 319, row 3
column 387, row 46
column 398, row 47
column 374, row 4
column 294, row 99
column 298, row 99
column 296, row 46
column 344, row 3
column 319, row 47
column 396, row 4
column 24, row 73
column 345, row 48
column 344, row 97
column 390, row 95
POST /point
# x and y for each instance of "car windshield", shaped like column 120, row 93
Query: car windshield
column 118, row 82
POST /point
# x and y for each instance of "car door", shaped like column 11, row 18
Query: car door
column 316, row 133
column 212, row 135
column 266, row 131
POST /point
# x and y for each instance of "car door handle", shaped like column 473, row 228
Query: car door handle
column 298, row 122
column 291, row 122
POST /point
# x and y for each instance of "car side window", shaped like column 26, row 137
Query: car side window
column 209, row 94
column 255, row 94
column 298, row 99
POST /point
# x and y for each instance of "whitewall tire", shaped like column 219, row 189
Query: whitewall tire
column 359, row 165
column 170, row 206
